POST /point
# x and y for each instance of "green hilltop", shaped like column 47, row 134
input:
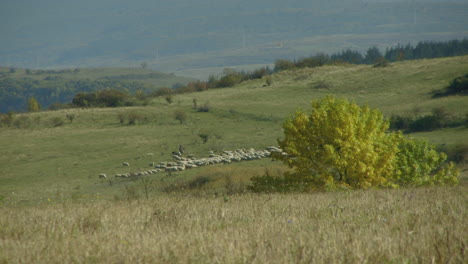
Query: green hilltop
column 49, row 156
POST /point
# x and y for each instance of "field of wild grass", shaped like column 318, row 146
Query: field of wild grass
column 424, row 225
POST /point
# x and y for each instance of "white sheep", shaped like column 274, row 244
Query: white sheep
column 126, row 164
column 102, row 176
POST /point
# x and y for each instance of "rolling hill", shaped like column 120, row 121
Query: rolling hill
column 48, row 155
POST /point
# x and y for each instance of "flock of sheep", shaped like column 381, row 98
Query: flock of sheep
column 183, row 163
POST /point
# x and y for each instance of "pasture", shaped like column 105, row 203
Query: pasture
column 55, row 209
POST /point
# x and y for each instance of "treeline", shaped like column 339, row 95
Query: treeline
column 423, row 50
column 14, row 93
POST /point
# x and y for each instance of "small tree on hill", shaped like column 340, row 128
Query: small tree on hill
column 33, row 105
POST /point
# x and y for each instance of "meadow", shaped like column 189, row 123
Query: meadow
column 55, row 209
column 425, row 225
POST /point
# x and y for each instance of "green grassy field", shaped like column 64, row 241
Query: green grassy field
column 42, row 159
column 55, row 209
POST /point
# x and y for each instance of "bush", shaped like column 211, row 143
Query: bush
column 398, row 122
column 457, row 153
column 135, row 117
column 280, row 183
column 57, row 121
column 169, row 99
column 131, row 117
column 204, row 137
column 180, row 116
column 425, row 123
column 419, row 163
column 198, row 182
column 229, row 79
column 22, row 121
column 459, row 85
column 204, row 108
column 71, row 117
column 283, row 65
column 6, row 120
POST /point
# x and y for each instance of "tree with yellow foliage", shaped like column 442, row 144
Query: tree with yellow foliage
column 342, row 145
column 33, row 105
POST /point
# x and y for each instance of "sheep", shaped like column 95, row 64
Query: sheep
column 126, row 164
column 102, row 176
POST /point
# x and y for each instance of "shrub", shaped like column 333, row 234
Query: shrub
column 194, row 101
column 398, row 122
column 162, row 91
column 57, row 121
column 71, row 117
column 457, row 153
column 135, row 117
column 169, row 99
column 58, row 105
column 6, row 119
column 198, row 182
column 204, row 137
column 381, row 63
column 121, row 117
column 180, row 116
column 322, row 85
column 204, row 108
column 419, row 163
column 459, row 85
column 425, row 123
column 229, row 79
column 282, row 65
column 280, row 183
column 22, row 121
column 111, row 98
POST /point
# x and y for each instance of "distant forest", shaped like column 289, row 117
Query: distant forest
column 53, row 90
column 423, row 50
column 14, row 93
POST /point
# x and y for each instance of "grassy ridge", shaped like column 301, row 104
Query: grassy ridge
column 42, row 161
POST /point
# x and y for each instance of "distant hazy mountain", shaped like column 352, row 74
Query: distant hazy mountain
column 211, row 33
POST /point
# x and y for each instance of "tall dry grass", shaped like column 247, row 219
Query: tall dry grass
column 426, row 225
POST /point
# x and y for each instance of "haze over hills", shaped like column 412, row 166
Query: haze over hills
column 185, row 36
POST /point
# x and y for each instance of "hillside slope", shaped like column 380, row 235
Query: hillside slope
column 42, row 160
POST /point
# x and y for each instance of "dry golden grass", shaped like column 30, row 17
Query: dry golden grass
column 426, row 225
